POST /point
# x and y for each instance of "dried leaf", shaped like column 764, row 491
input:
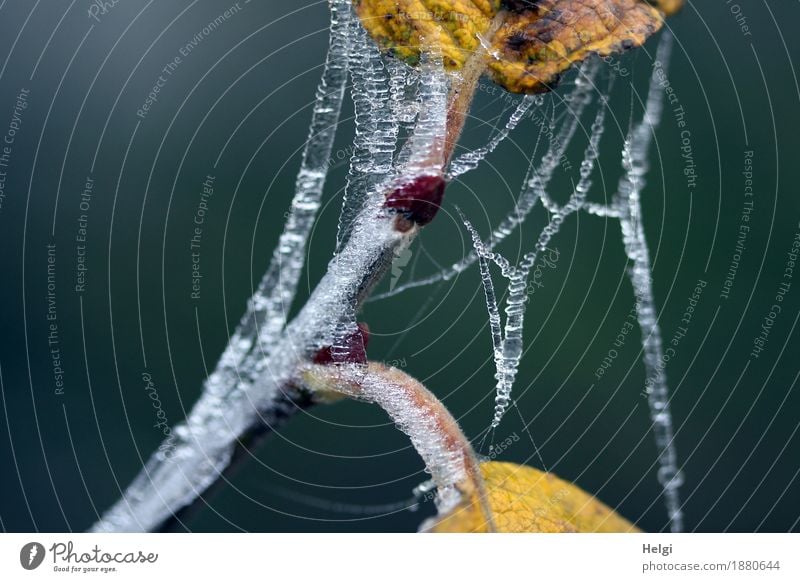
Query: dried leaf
column 523, row 499
column 533, row 47
column 533, row 42
column 402, row 26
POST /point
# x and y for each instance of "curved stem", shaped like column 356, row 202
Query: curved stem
column 447, row 453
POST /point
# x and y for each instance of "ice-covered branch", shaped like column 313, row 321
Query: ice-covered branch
column 251, row 386
column 203, row 445
column 406, row 125
column 376, row 128
column 435, row 434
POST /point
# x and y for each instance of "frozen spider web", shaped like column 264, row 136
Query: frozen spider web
column 507, row 337
column 506, row 325
column 400, row 117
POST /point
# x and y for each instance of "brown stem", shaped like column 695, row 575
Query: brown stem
column 463, row 90
column 433, row 431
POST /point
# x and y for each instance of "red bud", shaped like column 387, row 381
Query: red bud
column 354, row 352
column 419, row 200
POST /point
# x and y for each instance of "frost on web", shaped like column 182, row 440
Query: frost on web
column 470, row 160
column 627, row 208
column 558, row 136
column 400, row 118
column 376, row 127
column 201, row 447
column 507, row 338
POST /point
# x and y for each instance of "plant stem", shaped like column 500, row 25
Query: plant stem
column 447, row 453
column 236, row 402
column 463, row 90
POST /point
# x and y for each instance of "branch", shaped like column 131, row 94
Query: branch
column 435, row 434
column 254, row 377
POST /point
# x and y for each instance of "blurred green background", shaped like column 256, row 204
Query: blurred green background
column 237, row 108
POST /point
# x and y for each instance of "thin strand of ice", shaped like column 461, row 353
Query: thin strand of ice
column 470, row 160
column 578, row 197
column 423, row 152
column 495, row 324
column 518, row 276
column 512, row 344
column 506, row 340
column 635, row 154
column 601, row 209
column 577, row 101
column 268, row 308
column 376, row 128
column 403, row 79
column 200, row 448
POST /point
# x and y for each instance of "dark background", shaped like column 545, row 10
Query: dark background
column 241, row 100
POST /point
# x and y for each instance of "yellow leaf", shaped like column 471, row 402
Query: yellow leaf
column 529, row 43
column 523, row 499
column 402, row 26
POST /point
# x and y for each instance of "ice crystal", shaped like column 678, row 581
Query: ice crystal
column 376, row 127
column 470, row 160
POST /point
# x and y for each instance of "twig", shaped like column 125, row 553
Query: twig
column 435, row 434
